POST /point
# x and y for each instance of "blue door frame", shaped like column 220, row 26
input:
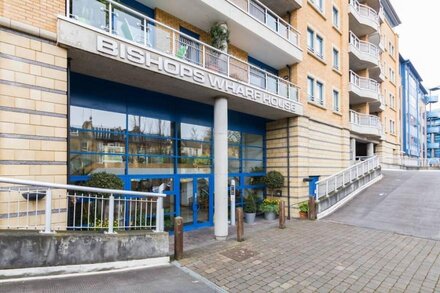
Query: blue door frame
column 195, row 224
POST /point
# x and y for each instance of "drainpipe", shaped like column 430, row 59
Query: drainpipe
column 288, row 152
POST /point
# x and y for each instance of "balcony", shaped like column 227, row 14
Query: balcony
column 281, row 7
column 378, row 106
column 377, row 73
column 363, row 90
column 139, row 51
column 364, row 124
column 433, row 145
column 433, row 115
column 250, row 23
column 364, row 20
column 431, row 99
column 362, row 54
column 433, row 129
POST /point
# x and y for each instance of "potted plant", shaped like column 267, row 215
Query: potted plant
column 303, row 210
column 273, row 181
column 270, row 208
column 250, row 208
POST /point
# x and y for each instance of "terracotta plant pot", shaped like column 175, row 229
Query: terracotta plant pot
column 303, row 215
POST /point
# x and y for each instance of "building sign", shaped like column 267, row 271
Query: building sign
column 77, row 36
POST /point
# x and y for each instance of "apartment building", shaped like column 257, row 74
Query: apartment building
column 414, row 100
column 150, row 90
column 374, row 80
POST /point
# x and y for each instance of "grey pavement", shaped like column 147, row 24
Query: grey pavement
column 159, row 279
column 406, row 202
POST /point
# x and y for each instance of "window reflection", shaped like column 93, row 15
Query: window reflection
column 195, row 149
column 145, row 125
column 150, row 146
column 97, row 120
column 195, row 132
column 194, row 165
column 87, row 164
column 150, row 165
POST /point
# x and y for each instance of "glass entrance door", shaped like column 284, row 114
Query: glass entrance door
column 195, row 199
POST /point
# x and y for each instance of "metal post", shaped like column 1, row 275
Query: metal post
column 48, row 213
column 145, row 32
column 110, row 19
column 159, row 215
column 68, row 8
column 173, row 43
column 111, row 214
column 232, row 196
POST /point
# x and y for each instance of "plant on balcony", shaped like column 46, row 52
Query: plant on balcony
column 220, row 36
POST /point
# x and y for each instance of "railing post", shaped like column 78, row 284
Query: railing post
column 159, row 215
column 111, row 214
column 48, row 213
column 173, row 43
column 326, row 188
column 110, row 18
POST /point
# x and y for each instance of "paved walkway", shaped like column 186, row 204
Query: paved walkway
column 406, row 202
column 319, row 257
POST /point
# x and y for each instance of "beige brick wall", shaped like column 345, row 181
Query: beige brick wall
column 316, row 149
column 33, row 113
column 39, row 13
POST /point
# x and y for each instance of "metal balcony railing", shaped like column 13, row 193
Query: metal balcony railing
column 335, row 182
column 132, row 26
column 365, row 120
column 263, row 14
column 363, row 46
column 364, row 83
column 365, row 11
column 48, row 207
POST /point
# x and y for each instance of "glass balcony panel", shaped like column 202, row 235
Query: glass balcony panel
column 216, row 61
column 282, row 89
column 128, row 26
column 258, row 78
column 272, row 22
column 94, row 13
column 189, row 50
column 257, row 11
column 239, row 70
column 272, row 84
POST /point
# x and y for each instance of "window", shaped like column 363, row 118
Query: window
column 310, row 39
column 315, row 91
column 319, row 4
column 335, row 17
column 336, row 106
column 392, row 127
column 392, row 75
column 335, row 59
column 392, row 101
column 391, row 49
column 320, row 90
column 319, row 47
column 315, row 43
column 311, row 88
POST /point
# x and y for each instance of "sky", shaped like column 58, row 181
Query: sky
column 420, row 37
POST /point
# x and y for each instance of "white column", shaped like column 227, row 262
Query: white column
column 353, row 149
column 370, row 149
column 221, row 168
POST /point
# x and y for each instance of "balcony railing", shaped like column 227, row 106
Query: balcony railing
column 126, row 23
column 260, row 12
column 365, row 120
column 365, row 11
column 364, row 83
column 363, row 46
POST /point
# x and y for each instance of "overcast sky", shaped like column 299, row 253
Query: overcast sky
column 420, row 37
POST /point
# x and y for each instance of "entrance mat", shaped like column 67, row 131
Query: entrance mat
column 239, row 254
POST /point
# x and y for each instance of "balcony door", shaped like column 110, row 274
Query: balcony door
column 188, row 48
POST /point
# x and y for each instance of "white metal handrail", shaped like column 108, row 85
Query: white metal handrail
column 365, row 120
column 333, row 183
column 23, row 202
column 363, row 46
column 365, row 10
column 263, row 14
column 138, row 28
column 364, row 83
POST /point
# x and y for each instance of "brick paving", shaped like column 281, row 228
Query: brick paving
column 316, row 257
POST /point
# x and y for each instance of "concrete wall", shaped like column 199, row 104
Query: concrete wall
column 31, row 249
